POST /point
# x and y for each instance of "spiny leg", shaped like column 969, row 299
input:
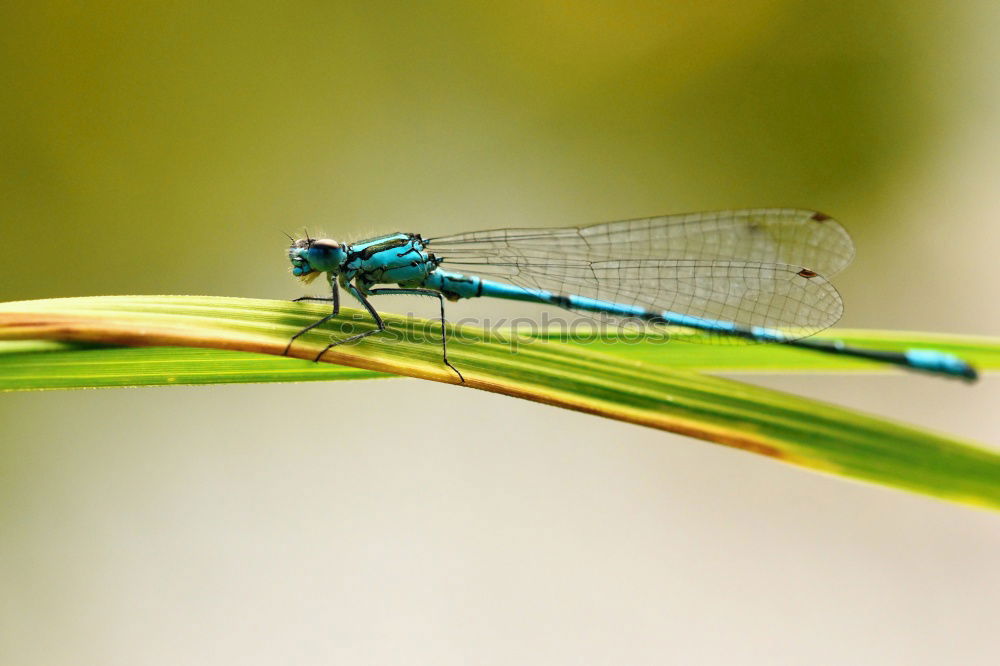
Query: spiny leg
column 379, row 324
column 440, row 297
column 334, row 298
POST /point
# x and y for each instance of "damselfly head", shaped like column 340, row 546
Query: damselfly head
column 312, row 256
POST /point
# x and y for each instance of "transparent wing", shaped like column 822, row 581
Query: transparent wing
column 802, row 238
column 791, row 299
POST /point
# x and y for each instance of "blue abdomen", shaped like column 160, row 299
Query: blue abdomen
column 454, row 285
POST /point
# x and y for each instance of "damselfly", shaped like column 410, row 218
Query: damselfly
column 757, row 275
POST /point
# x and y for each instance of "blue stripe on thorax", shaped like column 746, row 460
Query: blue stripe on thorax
column 393, row 259
column 368, row 242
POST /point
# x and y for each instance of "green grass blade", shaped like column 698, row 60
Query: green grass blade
column 633, row 389
column 55, row 365
column 982, row 352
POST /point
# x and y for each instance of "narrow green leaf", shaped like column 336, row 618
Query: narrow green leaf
column 209, row 339
column 982, row 352
column 56, row 365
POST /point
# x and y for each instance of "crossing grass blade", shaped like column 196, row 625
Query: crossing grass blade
column 156, row 340
column 982, row 352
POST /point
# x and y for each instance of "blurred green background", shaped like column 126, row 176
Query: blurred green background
column 164, row 147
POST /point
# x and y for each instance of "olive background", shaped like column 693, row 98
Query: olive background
column 154, row 148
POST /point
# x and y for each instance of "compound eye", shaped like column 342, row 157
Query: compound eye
column 326, row 244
